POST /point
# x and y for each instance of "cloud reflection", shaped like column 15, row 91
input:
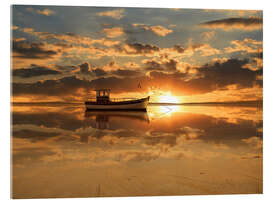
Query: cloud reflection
column 64, row 136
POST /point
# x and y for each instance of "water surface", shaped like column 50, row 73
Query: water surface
column 63, row 151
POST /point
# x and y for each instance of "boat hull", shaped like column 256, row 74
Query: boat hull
column 139, row 104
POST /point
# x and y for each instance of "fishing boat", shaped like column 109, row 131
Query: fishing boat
column 104, row 102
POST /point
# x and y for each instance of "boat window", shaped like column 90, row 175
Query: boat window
column 102, row 93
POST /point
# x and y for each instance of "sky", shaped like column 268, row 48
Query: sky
column 63, row 53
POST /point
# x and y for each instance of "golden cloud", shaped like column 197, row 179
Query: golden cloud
column 116, row 14
column 70, row 38
column 46, row 12
column 247, row 45
column 113, row 32
column 158, row 29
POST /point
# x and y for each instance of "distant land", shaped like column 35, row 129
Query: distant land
column 47, row 103
column 257, row 103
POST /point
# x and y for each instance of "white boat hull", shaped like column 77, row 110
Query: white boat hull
column 131, row 106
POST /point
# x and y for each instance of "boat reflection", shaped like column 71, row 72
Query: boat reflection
column 110, row 119
column 216, row 149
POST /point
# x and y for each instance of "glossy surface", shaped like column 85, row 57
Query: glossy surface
column 61, row 151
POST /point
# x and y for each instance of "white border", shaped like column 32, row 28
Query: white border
column 209, row 4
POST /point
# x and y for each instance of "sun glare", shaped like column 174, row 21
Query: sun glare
column 168, row 98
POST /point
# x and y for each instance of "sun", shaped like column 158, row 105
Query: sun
column 168, row 98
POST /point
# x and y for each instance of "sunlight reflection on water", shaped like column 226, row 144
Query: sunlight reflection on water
column 63, row 151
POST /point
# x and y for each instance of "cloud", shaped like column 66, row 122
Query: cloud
column 68, row 47
column 34, row 71
column 19, row 39
column 70, row 38
column 71, row 46
column 45, row 12
column 113, row 32
column 154, row 65
column 99, row 72
column 254, row 65
column 158, row 29
column 205, row 79
column 247, row 45
column 203, row 49
column 137, row 48
column 126, row 73
column 73, row 86
column 116, row 14
column 111, row 66
column 67, row 85
column 208, row 35
column 85, row 69
column 230, row 24
column 251, row 47
column 208, row 78
column 25, row 53
column 23, row 49
column 230, row 12
column 207, row 50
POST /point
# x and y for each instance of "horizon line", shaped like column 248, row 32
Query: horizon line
column 150, row 103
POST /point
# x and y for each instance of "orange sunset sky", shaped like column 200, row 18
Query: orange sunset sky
column 62, row 53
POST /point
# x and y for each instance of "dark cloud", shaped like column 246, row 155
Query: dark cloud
column 31, row 50
column 137, row 48
column 166, row 66
column 126, row 72
column 69, row 85
column 84, row 68
column 99, row 72
column 63, row 86
column 34, row 71
column 235, row 23
column 120, row 85
column 66, row 68
column 179, row 49
column 208, row 78
column 228, row 73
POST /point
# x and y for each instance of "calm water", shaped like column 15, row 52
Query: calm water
column 61, row 151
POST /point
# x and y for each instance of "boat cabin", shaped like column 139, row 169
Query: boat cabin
column 103, row 96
